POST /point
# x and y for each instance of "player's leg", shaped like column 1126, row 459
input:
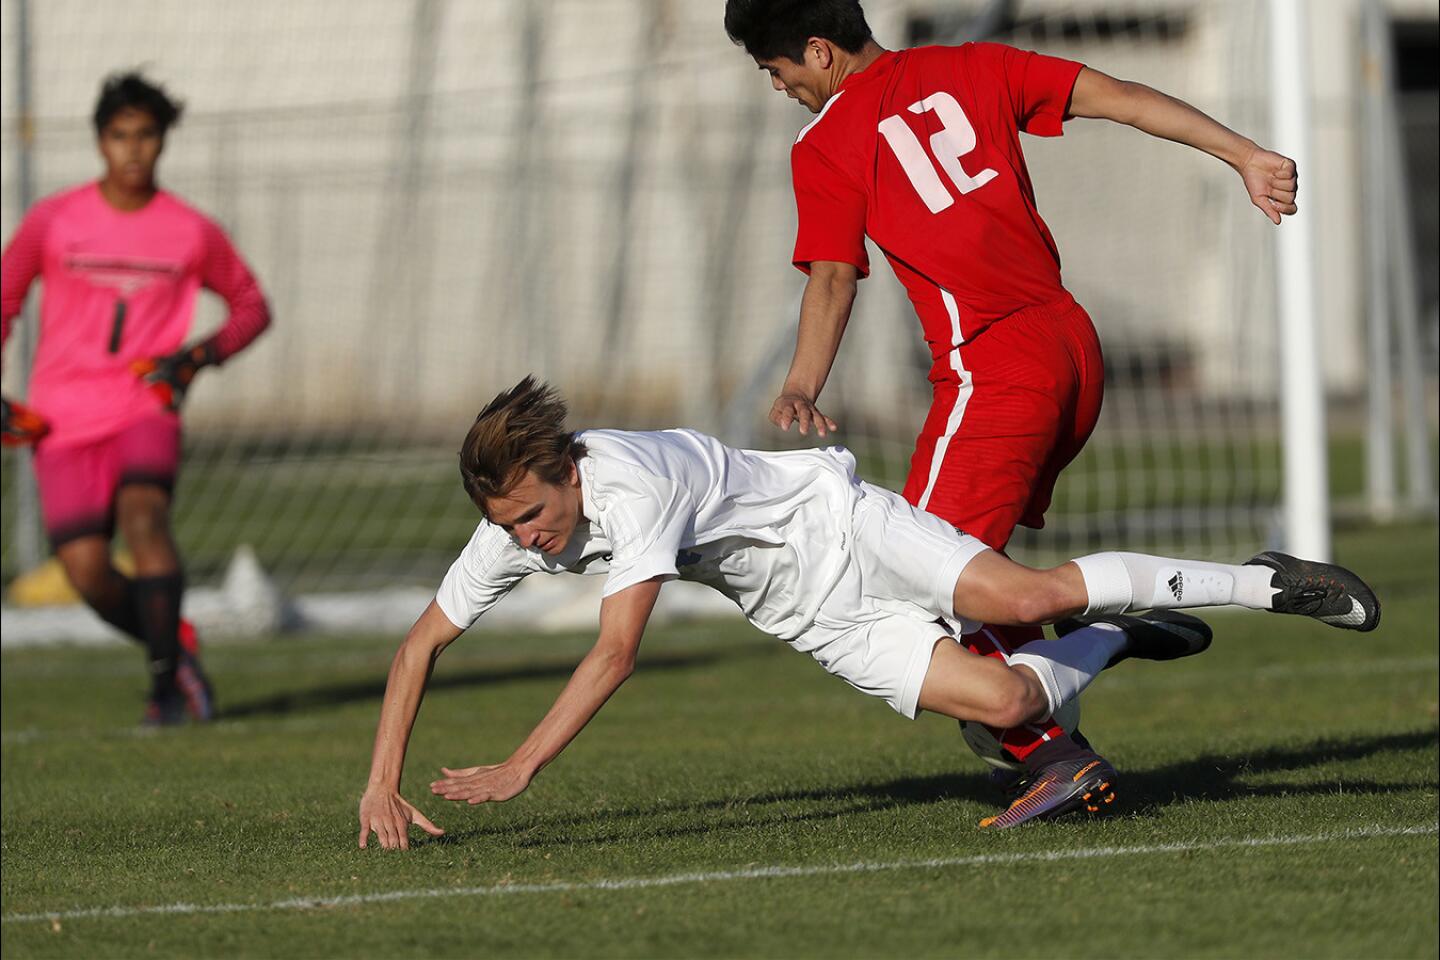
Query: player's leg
column 912, row 559
column 149, row 452
column 76, row 486
column 996, row 589
column 141, row 514
column 965, row 686
column 990, row 443
column 1117, row 582
column 914, row 664
column 1075, row 333
column 107, row 591
column 1009, row 692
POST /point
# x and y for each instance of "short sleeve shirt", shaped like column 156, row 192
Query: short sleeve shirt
column 768, row 530
column 921, row 153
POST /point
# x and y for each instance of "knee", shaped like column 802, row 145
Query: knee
column 144, row 524
column 91, row 579
column 1016, row 700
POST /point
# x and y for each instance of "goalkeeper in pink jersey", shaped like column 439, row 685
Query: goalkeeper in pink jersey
column 121, row 262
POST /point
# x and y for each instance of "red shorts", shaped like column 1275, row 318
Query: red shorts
column 1011, row 408
column 78, row 484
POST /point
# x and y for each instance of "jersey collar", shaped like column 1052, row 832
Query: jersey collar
column 877, row 68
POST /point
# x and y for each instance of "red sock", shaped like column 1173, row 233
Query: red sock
column 189, row 639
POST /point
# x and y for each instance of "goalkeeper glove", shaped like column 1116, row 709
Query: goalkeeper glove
column 23, row 426
column 169, row 377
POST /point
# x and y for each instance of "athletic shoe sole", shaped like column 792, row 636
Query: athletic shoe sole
column 1158, row 635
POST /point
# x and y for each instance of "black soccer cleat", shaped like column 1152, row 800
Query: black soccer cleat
column 1329, row 593
column 1157, row 635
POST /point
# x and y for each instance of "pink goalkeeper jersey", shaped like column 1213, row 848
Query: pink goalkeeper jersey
column 119, row 286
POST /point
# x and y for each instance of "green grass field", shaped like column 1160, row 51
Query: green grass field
column 1278, row 798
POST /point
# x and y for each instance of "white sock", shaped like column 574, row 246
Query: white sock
column 1119, row 582
column 1067, row 665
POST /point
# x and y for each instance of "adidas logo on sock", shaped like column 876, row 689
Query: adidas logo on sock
column 1177, row 585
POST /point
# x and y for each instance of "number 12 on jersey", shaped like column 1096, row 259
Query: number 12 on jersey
column 954, row 139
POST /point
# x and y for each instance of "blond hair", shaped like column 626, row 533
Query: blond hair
column 522, row 429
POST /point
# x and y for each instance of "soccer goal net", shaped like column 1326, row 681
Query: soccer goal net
column 440, row 197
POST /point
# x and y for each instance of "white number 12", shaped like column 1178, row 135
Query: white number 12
column 954, row 139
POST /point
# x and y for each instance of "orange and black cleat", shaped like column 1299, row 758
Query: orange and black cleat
column 1058, row 788
column 23, row 426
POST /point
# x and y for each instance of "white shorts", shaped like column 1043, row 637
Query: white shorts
column 894, row 600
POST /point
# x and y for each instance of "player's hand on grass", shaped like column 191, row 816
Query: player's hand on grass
column 791, row 407
column 1271, row 181
column 169, row 377
column 23, row 426
column 388, row 815
column 486, row 784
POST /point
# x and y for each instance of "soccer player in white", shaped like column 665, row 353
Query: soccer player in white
column 848, row 572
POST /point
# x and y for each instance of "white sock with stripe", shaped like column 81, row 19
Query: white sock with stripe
column 1120, row 582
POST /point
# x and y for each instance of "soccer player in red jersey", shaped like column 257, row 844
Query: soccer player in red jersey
column 122, row 261
column 920, row 151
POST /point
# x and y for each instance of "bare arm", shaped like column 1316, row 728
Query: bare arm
column 622, row 623
column 1270, row 179
column 824, row 313
column 382, row 810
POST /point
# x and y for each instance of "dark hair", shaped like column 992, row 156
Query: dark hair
column 521, row 429
column 779, row 28
column 130, row 90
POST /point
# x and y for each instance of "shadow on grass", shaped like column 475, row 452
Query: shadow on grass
column 1209, row 778
column 370, row 691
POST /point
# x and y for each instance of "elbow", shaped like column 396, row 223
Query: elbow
column 1128, row 102
column 621, row 666
column 616, row 664
column 421, row 647
column 262, row 314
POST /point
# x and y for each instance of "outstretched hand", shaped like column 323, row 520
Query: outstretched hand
column 1272, row 182
column 485, row 784
column 799, row 409
column 389, row 815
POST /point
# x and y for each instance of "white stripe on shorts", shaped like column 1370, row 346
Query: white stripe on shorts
column 962, row 397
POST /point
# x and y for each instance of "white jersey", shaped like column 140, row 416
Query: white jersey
column 770, row 530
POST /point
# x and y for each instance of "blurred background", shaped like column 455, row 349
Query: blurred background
column 440, row 196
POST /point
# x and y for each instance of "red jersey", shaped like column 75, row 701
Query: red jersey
column 921, row 152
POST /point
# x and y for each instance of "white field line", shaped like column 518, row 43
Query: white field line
column 1119, row 681
column 718, row 876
